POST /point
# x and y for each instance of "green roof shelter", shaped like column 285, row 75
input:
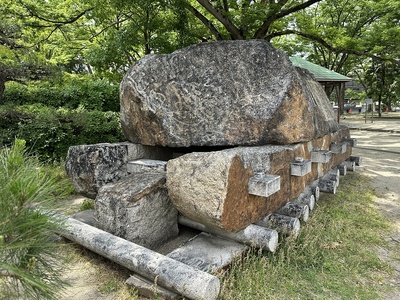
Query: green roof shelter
column 327, row 78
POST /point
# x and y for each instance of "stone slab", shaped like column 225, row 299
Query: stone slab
column 208, row 253
column 150, row 289
column 141, row 165
column 86, row 216
column 137, row 208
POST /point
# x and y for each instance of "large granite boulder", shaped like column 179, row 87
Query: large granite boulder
column 220, row 94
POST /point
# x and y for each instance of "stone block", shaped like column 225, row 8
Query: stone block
column 350, row 141
column 300, row 167
column 150, row 165
column 264, row 185
column 208, row 253
column 338, row 147
column 137, row 208
column 91, row 166
column 321, row 156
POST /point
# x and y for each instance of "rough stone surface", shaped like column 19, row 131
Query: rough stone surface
column 222, row 93
column 137, row 208
column 150, row 289
column 91, row 166
column 212, row 188
column 208, row 253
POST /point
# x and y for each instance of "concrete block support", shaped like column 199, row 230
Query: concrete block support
column 264, row 185
column 300, row 167
column 338, row 147
column 321, row 156
column 350, row 141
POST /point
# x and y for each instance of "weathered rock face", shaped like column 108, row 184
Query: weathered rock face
column 91, row 166
column 222, row 93
column 212, row 187
column 137, row 208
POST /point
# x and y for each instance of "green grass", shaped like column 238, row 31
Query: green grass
column 334, row 256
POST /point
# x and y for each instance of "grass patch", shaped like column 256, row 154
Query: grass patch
column 86, row 204
column 334, row 256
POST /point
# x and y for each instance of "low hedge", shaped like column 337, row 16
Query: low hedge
column 49, row 132
column 92, row 94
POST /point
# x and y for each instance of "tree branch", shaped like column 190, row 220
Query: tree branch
column 230, row 27
column 328, row 46
column 262, row 31
column 70, row 21
column 206, row 22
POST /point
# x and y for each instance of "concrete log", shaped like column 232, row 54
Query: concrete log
column 282, row 224
column 169, row 273
column 350, row 165
column 328, row 186
column 299, row 211
column 356, row 159
column 342, row 169
column 316, row 192
column 253, row 235
column 308, row 200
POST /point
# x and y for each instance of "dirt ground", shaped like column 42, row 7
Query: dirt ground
column 380, row 152
column 381, row 161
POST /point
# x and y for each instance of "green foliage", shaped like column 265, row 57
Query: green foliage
column 29, row 265
column 72, row 93
column 334, row 256
column 49, row 132
column 86, row 204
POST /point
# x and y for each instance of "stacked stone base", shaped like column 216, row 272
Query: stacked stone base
column 235, row 198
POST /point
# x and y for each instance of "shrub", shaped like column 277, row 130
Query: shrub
column 49, row 132
column 72, row 93
column 30, row 267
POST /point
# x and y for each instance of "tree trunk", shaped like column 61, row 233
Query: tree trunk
column 2, row 88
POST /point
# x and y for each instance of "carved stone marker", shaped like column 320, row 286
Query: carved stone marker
column 222, row 93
